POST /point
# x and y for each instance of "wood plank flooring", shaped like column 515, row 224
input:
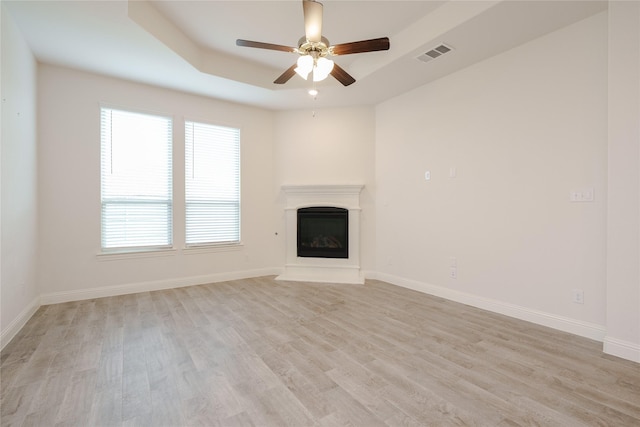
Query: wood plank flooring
column 260, row 352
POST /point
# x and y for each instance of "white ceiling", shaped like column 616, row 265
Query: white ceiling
column 190, row 45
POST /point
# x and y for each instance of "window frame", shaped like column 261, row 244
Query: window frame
column 214, row 246
column 116, row 252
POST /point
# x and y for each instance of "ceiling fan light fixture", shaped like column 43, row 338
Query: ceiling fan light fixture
column 322, row 69
column 305, row 66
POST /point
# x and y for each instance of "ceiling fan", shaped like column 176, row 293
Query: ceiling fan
column 313, row 49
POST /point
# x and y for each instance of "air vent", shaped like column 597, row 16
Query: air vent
column 434, row 53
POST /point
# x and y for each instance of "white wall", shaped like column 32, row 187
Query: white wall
column 623, row 216
column 522, row 130
column 69, row 215
column 18, row 241
column 329, row 146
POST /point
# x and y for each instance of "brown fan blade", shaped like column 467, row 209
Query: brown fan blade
column 312, row 20
column 284, row 77
column 361, row 46
column 261, row 45
column 341, row 75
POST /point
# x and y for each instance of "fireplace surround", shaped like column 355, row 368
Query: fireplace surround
column 325, row 265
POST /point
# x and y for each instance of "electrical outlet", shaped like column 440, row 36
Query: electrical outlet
column 453, row 272
column 578, row 296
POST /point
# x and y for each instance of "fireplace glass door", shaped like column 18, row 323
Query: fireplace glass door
column 323, row 232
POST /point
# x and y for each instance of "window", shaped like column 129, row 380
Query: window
column 136, row 188
column 212, row 181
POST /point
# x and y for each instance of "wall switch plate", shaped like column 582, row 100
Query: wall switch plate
column 452, row 172
column 427, row 175
column 587, row 195
column 583, row 195
column 577, row 296
column 453, row 272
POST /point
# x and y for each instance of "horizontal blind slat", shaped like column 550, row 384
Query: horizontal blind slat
column 136, row 179
column 212, row 183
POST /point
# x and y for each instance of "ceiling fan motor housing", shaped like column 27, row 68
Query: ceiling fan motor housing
column 315, row 49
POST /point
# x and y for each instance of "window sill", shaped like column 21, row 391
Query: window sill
column 154, row 253
column 229, row 247
column 145, row 253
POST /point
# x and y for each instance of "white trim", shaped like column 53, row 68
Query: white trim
column 156, row 285
column 144, row 253
column 621, row 348
column 322, row 190
column 18, row 323
column 320, row 204
column 561, row 323
column 343, row 274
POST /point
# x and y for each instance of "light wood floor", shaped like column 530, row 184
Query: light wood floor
column 264, row 353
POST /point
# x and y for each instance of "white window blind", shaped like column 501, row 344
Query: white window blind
column 212, row 181
column 136, row 175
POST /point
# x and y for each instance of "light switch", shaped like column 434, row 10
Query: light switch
column 427, row 175
column 587, row 195
column 583, row 195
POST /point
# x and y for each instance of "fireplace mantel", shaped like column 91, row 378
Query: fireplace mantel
column 328, row 270
column 347, row 196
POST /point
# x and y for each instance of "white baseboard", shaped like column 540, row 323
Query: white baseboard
column 18, row 323
column 620, row 348
column 345, row 274
column 565, row 324
column 156, row 285
column 612, row 346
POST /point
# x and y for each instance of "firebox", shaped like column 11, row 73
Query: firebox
column 323, row 232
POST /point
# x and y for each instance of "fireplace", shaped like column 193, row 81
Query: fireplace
column 323, row 232
column 325, row 245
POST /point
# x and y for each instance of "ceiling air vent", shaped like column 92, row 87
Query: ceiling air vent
column 434, row 53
